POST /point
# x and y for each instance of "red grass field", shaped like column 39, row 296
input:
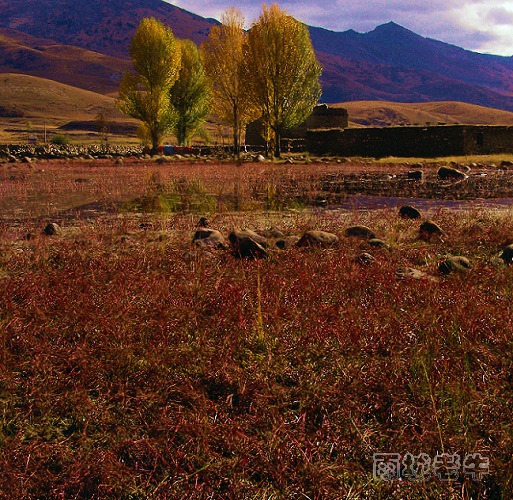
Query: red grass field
column 132, row 366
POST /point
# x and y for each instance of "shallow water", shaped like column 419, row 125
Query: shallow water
column 365, row 202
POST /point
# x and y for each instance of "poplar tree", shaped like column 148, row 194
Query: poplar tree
column 144, row 94
column 189, row 95
column 282, row 71
column 223, row 56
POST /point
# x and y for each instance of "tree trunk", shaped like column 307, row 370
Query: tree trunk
column 277, row 144
column 236, row 147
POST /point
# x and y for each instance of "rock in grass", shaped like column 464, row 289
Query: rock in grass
column 360, row 232
column 409, row 212
column 318, row 239
column 52, row 228
column 364, row 258
column 456, row 264
column 377, row 243
column 286, row 242
column 429, row 230
column 206, row 237
column 248, row 244
column 415, row 175
column 404, row 273
column 450, row 173
column 271, row 232
column 507, row 254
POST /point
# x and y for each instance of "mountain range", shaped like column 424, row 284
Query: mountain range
column 85, row 44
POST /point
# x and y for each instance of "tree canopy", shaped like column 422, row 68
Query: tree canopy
column 223, row 56
column 282, row 71
column 189, row 95
column 144, row 95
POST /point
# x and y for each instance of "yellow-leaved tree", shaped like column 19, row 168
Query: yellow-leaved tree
column 223, row 59
column 144, row 95
column 282, row 71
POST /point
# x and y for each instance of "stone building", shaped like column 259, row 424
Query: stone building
column 322, row 117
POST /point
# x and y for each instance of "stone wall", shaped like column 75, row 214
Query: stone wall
column 426, row 142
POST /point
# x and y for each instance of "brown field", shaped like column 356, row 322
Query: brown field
column 135, row 365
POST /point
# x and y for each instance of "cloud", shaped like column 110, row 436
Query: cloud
column 480, row 25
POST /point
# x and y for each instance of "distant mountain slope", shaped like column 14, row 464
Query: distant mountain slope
column 102, row 26
column 351, row 80
column 393, row 46
column 22, row 53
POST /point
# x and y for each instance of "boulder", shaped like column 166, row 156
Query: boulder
column 450, row 173
column 415, row 175
column 364, row 258
column 507, row 254
column 52, row 228
column 317, row 238
column 248, row 244
column 409, row 212
column 206, row 237
column 456, row 264
column 286, row 242
column 429, row 230
column 377, row 243
column 360, row 232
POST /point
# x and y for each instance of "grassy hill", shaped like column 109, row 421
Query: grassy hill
column 42, row 102
column 383, row 113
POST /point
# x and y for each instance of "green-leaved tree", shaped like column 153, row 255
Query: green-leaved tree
column 282, row 71
column 189, row 95
column 144, row 95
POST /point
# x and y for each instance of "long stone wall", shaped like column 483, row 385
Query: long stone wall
column 427, row 142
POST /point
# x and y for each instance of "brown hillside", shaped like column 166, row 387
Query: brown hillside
column 383, row 113
column 41, row 102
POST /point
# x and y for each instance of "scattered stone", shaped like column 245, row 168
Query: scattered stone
column 429, row 230
column 360, row 232
column 248, row 244
column 203, row 222
column 404, row 273
column 364, row 258
column 377, row 243
column 52, row 228
column 450, row 173
column 507, row 254
column 457, row 264
column 286, row 242
column 206, row 237
column 409, row 212
column 260, row 158
column 317, row 238
column 465, row 168
column 415, row 175
column 271, row 232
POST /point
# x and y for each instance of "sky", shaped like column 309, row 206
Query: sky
column 480, row 25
